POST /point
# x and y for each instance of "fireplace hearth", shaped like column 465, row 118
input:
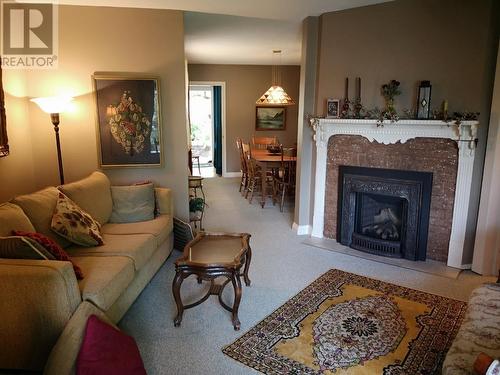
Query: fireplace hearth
column 384, row 211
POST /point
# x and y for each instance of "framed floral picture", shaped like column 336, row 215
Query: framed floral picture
column 128, row 124
column 270, row 118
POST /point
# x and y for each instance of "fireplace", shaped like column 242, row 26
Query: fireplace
column 384, row 211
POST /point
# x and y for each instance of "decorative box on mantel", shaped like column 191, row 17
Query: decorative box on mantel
column 402, row 131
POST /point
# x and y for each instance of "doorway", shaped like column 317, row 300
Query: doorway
column 207, row 115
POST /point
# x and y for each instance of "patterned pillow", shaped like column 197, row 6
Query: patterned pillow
column 74, row 224
column 52, row 247
column 18, row 247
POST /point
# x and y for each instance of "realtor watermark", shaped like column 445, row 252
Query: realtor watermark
column 29, row 35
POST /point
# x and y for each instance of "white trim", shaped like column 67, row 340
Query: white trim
column 402, row 131
column 223, row 111
column 231, row 174
column 301, row 229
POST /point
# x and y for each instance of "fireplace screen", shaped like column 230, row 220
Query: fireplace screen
column 384, row 211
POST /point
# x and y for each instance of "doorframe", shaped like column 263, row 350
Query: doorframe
column 222, row 84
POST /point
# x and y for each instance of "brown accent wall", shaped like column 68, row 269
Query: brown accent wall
column 439, row 156
column 244, row 85
column 452, row 43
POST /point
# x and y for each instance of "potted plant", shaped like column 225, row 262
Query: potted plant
column 196, row 207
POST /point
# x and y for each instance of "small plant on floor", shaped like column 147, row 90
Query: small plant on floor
column 196, row 206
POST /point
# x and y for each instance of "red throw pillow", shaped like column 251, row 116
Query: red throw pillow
column 52, row 247
column 107, row 351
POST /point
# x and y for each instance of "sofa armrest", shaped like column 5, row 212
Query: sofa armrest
column 38, row 299
column 164, row 201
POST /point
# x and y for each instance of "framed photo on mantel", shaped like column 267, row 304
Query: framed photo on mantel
column 128, row 122
column 332, row 108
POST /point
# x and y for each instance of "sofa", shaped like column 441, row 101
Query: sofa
column 39, row 297
column 479, row 332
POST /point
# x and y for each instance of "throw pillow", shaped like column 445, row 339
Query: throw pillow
column 105, row 350
column 18, row 247
column 74, row 224
column 133, row 203
column 52, row 247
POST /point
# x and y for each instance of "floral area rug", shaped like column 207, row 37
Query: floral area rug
column 348, row 324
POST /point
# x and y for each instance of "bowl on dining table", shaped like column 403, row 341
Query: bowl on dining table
column 274, row 149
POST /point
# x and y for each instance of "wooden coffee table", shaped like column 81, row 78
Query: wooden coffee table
column 209, row 256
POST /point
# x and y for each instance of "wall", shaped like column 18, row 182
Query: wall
column 16, row 169
column 452, row 43
column 96, row 39
column 244, row 85
column 486, row 259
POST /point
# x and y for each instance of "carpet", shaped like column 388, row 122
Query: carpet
column 343, row 323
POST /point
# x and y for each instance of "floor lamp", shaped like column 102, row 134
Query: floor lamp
column 54, row 106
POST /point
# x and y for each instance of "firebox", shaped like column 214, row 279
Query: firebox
column 384, row 211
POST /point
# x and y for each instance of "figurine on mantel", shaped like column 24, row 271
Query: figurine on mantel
column 389, row 92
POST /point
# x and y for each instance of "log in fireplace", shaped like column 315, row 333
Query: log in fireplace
column 384, row 211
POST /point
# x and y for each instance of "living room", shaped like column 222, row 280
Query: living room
column 452, row 44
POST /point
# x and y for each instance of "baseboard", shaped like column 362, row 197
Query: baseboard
column 302, row 229
column 462, row 266
column 231, row 174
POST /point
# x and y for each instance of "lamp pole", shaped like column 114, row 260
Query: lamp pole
column 55, row 121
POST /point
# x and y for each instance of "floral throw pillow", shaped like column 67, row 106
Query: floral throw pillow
column 52, row 247
column 74, row 224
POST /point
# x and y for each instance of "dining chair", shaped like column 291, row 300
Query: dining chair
column 243, row 166
column 263, row 142
column 254, row 182
column 284, row 178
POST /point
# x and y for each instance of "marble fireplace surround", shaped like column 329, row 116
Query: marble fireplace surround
column 391, row 133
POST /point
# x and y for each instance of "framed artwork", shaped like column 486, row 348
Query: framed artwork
column 270, row 118
column 332, row 108
column 128, row 122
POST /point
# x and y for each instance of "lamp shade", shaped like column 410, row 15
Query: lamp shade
column 53, row 104
column 275, row 95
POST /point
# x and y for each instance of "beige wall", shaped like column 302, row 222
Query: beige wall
column 98, row 39
column 244, row 85
column 17, row 169
column 452, row 43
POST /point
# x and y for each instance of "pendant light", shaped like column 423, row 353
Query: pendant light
column 275, row 94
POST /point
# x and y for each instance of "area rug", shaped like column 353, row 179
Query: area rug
column 343, row 323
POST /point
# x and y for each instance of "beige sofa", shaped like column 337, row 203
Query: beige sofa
column 39, row 297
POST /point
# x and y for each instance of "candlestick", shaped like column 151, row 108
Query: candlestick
column 346, row 96
column 358, row 88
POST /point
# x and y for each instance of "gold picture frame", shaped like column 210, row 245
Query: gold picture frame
column 128, row 120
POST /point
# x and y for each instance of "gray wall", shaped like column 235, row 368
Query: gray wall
column 452, row 43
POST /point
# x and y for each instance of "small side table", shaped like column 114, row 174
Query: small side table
column 209, row 256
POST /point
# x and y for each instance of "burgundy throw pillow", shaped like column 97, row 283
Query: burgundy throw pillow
column 105, row 350
column 52, row 247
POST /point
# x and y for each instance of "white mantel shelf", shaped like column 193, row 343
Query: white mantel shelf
column 464, row 134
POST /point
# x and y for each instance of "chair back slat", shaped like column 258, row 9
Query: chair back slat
column 263, row 142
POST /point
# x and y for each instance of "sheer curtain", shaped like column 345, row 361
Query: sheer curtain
column 4, row 145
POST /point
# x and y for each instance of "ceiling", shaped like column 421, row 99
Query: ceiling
column 239, row 31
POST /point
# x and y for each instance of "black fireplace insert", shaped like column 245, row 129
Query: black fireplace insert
column 384, row 211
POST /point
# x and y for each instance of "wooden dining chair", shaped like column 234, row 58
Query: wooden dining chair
column 254, row 182
column 284, row 178
column 243, row 166
column 263, row 142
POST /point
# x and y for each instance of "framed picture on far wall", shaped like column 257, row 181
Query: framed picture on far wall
column 128, row 122
column 332, row 108
column 270, row 118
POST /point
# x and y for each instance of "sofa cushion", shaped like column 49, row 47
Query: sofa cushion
column 105, row 278
column 74, row 224
column 138, row 247
column 93, row 194
column 52, row 247
column 19, row 247
column 106, row 350
column 12, row 217
column 39, row 207
column 479, row 332
column 132, row 203
column 160, row 227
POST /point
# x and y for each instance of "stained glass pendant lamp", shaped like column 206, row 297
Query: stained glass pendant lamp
column 275, row 95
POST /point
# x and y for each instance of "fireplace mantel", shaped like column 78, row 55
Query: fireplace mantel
column 464, row 134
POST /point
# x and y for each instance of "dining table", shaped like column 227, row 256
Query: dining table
column 267, row 161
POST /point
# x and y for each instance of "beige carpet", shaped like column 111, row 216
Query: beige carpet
column 281, row 266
